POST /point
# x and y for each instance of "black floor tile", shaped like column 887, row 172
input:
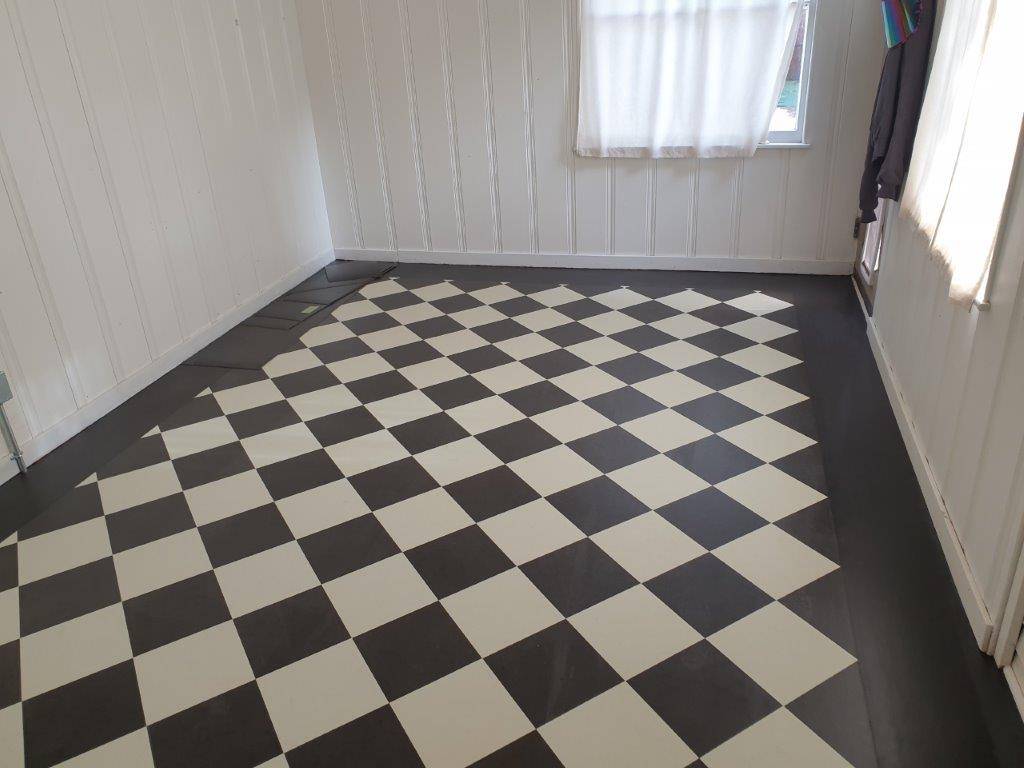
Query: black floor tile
column 175, row 611
column 344, row 425
column 309, row 380
column 611, row 449
column 714, row 459
column 81, row 715
column 529, row 750
column 538, row 398
column 244, row 534
column 143, row 453
column 517, row 440
column 461, row 559
column 720, row 341
column 718, row 374
column 214, row 464
column 643, row 337
column 577, row 576
column 263, row 418
column 707, row 594
column 456, row 392
column 140, row 525
column 300, row 473
column 378, row 387
column 232, row 730
column 10, row 673
column 622, row 405
column 394, row 651
column 596, row 504
column 375, row 739
column 392, row 483
column 555, row 363
column 347, row 547
column 551, row 672
column 79, row 505
column 491, row 493
column 480, row 359
column 716, row 412
column 429, row 432
column 711, row 518
column 290, row 630
column 720, row 700
column 634, row 368
column 68, row 595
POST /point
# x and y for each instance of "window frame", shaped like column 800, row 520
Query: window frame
column 798, row 136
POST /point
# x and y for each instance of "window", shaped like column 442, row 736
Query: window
column 690, row 78
column 789, row 120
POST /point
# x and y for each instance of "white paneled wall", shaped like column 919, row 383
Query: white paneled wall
column 958, row 379
column 445, row 130
column 160, row 181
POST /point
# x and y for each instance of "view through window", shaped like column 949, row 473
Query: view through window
column 787, row 125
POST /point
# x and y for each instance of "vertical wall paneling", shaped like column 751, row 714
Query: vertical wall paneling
column 958, row 374
column 808, row 177
column 469, row 105
column 393, row 120
column 327, row 100
column 159, row 181
column 477, row 103
column 509, row 121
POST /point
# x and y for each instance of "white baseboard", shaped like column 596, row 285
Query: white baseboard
column 71, row 425
column 8, row 469
column 604, row 261
column 963, row 577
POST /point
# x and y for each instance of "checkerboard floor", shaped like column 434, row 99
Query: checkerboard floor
column 459, row 522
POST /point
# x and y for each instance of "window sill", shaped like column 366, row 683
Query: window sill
column 784, row 145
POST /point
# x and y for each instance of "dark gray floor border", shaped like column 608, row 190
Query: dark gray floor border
column 933, row 699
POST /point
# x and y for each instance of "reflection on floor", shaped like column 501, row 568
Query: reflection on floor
column 536, row 524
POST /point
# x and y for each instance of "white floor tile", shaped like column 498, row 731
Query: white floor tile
column 229, row 496
column 647, row 545
column 461, row 718
column 189, row 671
column 665, row 430
column 378, row 593
column 634, row 630
column 781, row 652
column 456, row 461
column 766, row 438
column 617, row 728
column 657, row 481
column 265, row 578
column 72, row 650
column 770, row 492
column 554, row 470
column 527, row 532
column 500, row 611
column 321, row 507
column 423, row 518
column 200, row 436
column 160, row 563
column 62, row 550
column 775, row 561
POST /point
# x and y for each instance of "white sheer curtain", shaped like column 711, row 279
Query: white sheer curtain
column 681, row 78
column 967, row 138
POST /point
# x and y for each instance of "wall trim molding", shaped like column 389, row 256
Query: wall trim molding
column 37, row 447
column 956, row 559
column 604, row 261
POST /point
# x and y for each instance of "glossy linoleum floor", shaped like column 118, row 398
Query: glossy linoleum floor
column 460, row 522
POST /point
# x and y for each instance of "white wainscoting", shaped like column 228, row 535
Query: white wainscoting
column 445, row 130
column 955, row 378
column 159, row 182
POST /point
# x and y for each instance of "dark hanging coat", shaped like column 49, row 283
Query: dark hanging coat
column 897, row 108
